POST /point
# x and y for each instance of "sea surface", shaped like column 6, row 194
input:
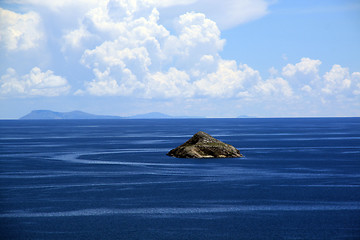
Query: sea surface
column 111, row 179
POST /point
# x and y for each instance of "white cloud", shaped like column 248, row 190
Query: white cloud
column 74, row 38
column 336, row 80
column 304, row 77
column 356, row 82
column 172, row 84
column 57, row 5
column 106, row 84
column 303, row 73
column 277, row 87
column 35, row 83
column 226, row 13
column 20, row 31
column 305, row 66
column 307, row 88
column 127, row 40
column 137, row 53
column 230, row 13
column 140, row 57
column 228, row 80
column 197, row 36
column 169, row 3
column 130, row 52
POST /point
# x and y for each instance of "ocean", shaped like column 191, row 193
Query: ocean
column 111, row 179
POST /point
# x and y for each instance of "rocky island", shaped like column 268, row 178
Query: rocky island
column 202, row 145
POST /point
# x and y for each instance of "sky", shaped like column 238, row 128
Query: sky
column 206, row 58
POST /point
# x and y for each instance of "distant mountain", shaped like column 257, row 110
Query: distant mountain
column 47, row 114
column 245, row 116
column 158, row 115
column 151, row 115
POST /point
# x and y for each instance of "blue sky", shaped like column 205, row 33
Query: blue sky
column 197, row 58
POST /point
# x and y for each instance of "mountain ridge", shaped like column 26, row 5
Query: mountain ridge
column 48, row 114
column 52, row 115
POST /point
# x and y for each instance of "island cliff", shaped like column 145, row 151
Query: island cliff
column 202, row 145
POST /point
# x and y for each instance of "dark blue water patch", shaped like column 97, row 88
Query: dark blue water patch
column 259, row 225
column 111, row 179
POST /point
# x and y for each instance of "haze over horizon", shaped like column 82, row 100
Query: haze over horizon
column 263, row 58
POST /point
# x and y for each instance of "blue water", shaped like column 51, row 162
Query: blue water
column 111, row 179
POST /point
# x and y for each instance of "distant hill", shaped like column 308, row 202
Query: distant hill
column 151, row 115
column 47, row 114
column 245, row 116
column 158, row 115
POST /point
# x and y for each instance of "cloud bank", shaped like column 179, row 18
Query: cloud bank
column 138, row 56
column 131, row 53
column 19, row 31
column 35, row 83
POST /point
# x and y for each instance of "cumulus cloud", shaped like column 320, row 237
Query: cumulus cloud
column 138, row 53
column 35, row 83
column 75, row 37
column 124, row 40
column 305, row 66
column 138, row 56
column 133, row 54
column 277, row 87
column 304, row 77
column 302, row 74
column 336, row 80
column 106, row 85
column 196, row 35
column 144, row 59
column 356, row 80
column 171, row 84
column 20, row 31
column 131, row 51
column 228, row 80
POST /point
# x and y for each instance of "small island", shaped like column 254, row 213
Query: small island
column 202, row 145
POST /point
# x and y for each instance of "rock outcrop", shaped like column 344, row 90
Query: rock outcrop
column 202, row 145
